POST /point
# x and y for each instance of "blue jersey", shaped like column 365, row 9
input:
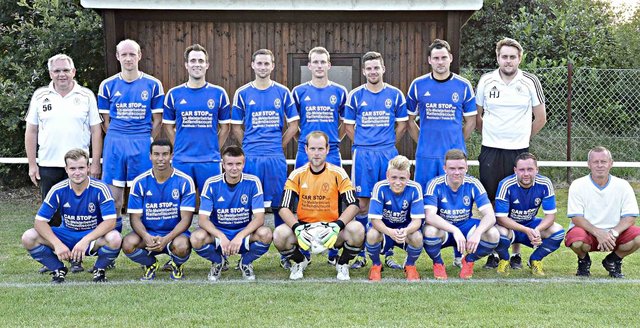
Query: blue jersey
column 521, row 204
column 231, row 207
column 320, row 110
column 441, row 106
column 196, row 114
column 263, row 113
column 375, row 115
column 455, row 206
column 79, row 212
column 130, row 104
column 396, row 210
column 160, row 203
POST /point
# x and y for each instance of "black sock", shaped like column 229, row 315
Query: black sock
column 348, row 253
column 613, row 257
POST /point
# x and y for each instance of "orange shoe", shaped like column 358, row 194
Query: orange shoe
column 375, row 273
column 467, row 269
column 411, row 273
column 439, row 272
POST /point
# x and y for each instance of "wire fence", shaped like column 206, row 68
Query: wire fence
column 586, row 107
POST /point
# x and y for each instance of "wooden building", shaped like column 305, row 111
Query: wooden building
column 232, row 30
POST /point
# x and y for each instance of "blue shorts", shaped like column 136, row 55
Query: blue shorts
column 231, row 233
column 428, row 168
column 71, row 237
column 199, row 172
column 369, row 167
column 333, row 157
column 272, row 172
column 167, row 248
column 521, row 237
column 124, row 158
column 466, row 227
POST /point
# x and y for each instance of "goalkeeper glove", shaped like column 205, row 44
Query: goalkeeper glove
column 304, row 238
column 329, row 240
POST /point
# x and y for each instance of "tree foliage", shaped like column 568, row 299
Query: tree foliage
column 31, row 32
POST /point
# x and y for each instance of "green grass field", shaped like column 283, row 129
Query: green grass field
column 560, row 299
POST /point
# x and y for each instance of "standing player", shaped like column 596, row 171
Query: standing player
column 131, row 104
column 231, row 217
column 371, row 113
column 262, row 107
column 519, row 197
column 603, row 210
column 82, row 202
column 396, row 213
column 61, row 116
column 507, row 99
column 447, row 108
column 196, row 119
column 448, row 202
column 318, row 191
column 161, row 205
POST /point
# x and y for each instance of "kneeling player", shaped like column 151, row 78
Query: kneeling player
column 448, row 202
column 161, row 205
column 518, row 199
column 231, row 217
column 318, row 188
column 396, row 212
column 81, row 202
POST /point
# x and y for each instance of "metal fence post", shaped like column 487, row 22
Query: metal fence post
column 569, row 95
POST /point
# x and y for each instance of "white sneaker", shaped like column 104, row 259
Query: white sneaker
column 457, row 261
column 247, row 271
column 214, row 273
column 297, row 269
column 343, row 271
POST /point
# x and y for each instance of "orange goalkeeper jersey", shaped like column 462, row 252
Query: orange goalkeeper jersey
column 319, row 193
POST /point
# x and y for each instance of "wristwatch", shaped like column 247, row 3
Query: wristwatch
column 614, row 233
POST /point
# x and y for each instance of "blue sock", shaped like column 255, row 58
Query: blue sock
column 141, row 256
column 256, row 249
column 46, row 256
column 503, row 247
column 364, row 220
column 484, row 248
column 456, row 253
column 413, row 253
column 106, row 256
column 180, row 260
column 433, row 247
column 389, row 252
column 210, row 253
column 333, row 253
column 548, row 246
column 119, row 224
column 374, row 252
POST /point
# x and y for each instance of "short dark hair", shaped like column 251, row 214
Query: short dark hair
column 233, row 151
column 439, row 44
column 195, row 47
column 263, row 52
column 525, row 156
column 161, row 142
column 372, row 55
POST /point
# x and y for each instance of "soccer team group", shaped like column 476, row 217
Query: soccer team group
column 318, row 206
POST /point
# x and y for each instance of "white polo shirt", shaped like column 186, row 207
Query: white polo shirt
column 508, row 109
column 63, row 122
column 602, row 207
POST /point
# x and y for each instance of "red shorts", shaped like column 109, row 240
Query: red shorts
column 579, row 234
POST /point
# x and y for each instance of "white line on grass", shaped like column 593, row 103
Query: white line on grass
column 516, row 281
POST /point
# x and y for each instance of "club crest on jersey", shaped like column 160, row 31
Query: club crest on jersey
column 537, row 201
column 175, row 194
column 211, row 103
column 277, row 103
column 519, row 89
column 244, row 199
column 333, row 99
column 387, row 103
column 325, row 187
column 455, row 97
column 76, row 101
column 92, row 207
column 405, row 204
column 466, row 200
column 144, row 95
